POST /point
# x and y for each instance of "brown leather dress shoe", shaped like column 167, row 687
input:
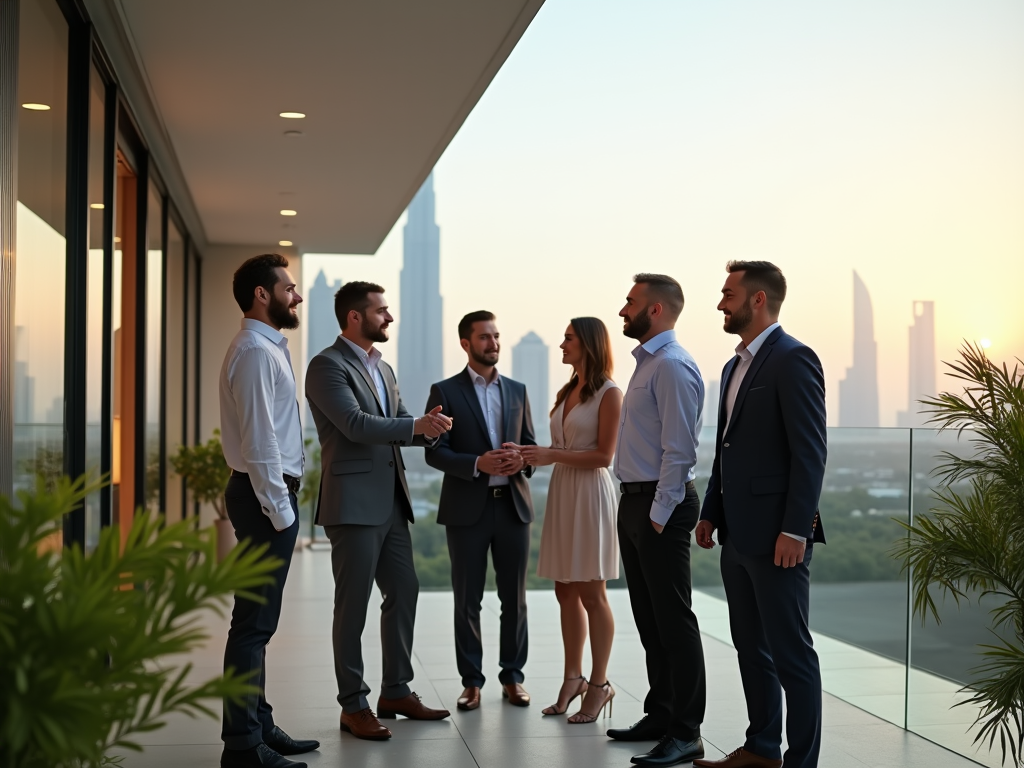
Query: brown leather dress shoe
column 410, row 706
column 741, row 758
column 470, row 698
column 516, row 695
column 364, row 725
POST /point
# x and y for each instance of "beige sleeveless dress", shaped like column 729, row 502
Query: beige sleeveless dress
column 579, row 540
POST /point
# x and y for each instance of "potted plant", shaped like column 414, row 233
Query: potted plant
column 91, row 644
column 972, row 544
column 206, row 473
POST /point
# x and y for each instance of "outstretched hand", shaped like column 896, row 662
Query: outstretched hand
column 432, row 424
column 534, row 455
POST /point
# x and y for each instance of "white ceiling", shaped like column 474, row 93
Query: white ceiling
column 385, row 85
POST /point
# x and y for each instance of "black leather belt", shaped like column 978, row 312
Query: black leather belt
column 651, row 487
column 293, row 483
column 499, row 491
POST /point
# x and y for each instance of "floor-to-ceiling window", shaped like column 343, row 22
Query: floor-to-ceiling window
column 174, row 373
column 40, row 246
column 153, row 375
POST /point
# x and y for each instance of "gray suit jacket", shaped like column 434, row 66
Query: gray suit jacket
column 463, row 497
column 360, row 460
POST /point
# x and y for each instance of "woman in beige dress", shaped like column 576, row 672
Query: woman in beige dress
column 579, row 545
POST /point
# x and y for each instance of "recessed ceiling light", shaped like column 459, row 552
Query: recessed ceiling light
column 36, row 107
column 285, row 243
column 287, row 212
column 96, row 206
column 293, row 115
column 293, row 134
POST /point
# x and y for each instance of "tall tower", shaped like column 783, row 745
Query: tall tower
column 420, row 361
column 530, row 366
column 921, row 378
column 321, row 325
column 858, row 392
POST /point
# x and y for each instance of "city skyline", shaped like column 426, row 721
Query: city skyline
column 921, row 364
column 858, row 391
column 323, row 328
column 420, row 342
column 530, row 366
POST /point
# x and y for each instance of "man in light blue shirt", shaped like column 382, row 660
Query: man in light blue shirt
column 658, row 511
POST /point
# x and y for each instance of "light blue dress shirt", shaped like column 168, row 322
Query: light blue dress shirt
column 660, row 424
column 371, row 362
column 488, row 394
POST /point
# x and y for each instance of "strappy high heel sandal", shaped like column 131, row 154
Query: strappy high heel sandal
column 581, row 688
column 585, row 717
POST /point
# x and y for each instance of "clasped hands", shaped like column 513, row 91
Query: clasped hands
column 432, row 424
column 504, row 461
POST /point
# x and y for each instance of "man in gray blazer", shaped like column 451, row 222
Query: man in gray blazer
column 365, row 508
column 485, row 505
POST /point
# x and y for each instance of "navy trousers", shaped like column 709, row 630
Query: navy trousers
column 252, row 623
column 768, row 610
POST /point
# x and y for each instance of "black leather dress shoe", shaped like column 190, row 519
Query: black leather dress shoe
column 671, row 751
column 283, row 744
column 260, row 756
column 642, row 730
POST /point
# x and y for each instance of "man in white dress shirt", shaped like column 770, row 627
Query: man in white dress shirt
column 262, row 439
column 658, row 511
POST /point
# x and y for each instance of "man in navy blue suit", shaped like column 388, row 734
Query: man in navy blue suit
column 763, row 500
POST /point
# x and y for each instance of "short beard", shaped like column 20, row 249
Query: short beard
column 638, row 326
column 738, row 322
column 479, row 359
column 282, row 316
column 378, row 334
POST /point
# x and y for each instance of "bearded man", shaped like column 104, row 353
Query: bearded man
column 365, row 508
column 262, row 439
column 657, row 451
column 485, row 504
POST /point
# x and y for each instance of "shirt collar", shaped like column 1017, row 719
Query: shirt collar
column 367, row 357
column 262, row 328
column 655, row 343
column 750, row 351
column 476, row 378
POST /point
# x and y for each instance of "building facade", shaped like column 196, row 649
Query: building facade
column 920, row 365
column 858, row 392
column 420, row 353
column 530, row 365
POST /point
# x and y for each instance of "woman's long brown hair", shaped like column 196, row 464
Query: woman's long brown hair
column 597, row 354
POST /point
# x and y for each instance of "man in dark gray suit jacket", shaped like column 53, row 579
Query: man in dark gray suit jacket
column 364, row 505
column 485, row 504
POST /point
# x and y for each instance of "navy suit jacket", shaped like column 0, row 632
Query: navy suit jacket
column 463, row 497
column 770, row 463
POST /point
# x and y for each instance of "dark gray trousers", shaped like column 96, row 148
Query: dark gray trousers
column 360, row 556
column 768, row 616
column 252, row 623
column 657, row 569
column 500, row 531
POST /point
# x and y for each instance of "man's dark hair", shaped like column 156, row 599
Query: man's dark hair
column 466, row 323
column 257, row 272
column 353, row 295
column 666, row 290
column 762, row 276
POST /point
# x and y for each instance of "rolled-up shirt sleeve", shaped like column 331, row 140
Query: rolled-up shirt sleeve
column 252, row 382
column 678, row 393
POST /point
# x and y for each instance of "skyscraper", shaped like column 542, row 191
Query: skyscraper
column 858, row 392
column 921, row 374
column 530, row 366
column 321, row 324
column 420, row 357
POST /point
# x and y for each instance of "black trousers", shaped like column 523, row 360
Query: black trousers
column 507, row 537
column 768, row 617
column 657, row 569
column 252, row 623
column 360, row 556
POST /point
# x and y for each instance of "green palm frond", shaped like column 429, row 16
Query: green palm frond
column 971, row 545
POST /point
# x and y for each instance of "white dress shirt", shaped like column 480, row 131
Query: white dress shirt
column 660, row 424
column 746, row 355
column 488, row 394
column 371, row 362
column 259, row 416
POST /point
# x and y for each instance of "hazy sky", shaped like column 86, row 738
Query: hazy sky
column 886, row 137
